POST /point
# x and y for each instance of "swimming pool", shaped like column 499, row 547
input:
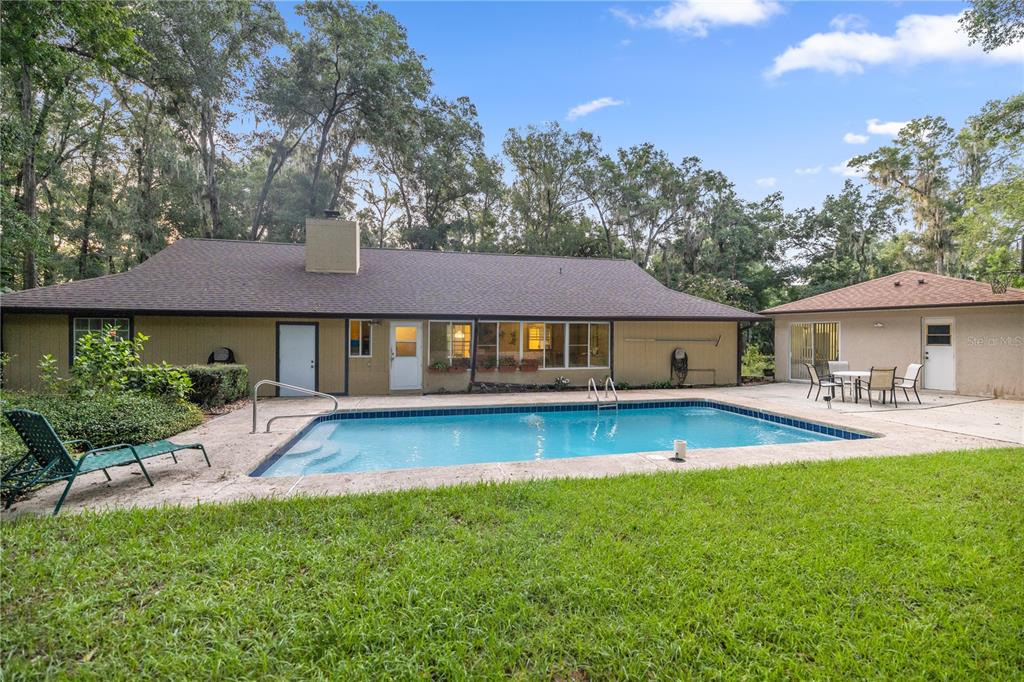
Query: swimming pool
column 402, row 439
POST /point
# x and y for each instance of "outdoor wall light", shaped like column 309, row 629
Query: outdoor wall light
column 879, row 325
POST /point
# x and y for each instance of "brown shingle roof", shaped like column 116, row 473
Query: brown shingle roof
column 907, row 289
column 230, row 277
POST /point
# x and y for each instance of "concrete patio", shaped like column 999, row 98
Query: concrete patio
column 942, row 422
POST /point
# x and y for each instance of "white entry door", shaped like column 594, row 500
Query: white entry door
column 406, row 359
column 939, row 354
column 296, row 356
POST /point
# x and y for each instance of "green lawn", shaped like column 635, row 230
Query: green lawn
column 895, row 567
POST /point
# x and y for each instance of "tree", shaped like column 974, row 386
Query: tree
column 49, row 49
column 204, row 55
column 360, row 69
column 841, row 243
column 547, row 196
column 919, row 168
column 994, row 23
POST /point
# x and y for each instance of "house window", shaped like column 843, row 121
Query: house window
column 939, row 335
column 451, row 342
column 553, row 345
column 360, row 338
column 81, row 326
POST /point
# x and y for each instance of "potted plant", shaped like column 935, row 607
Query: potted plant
column 529, row 365
column 460, row 365
column 487, row 364
column 508, row 364
column 437, row 367
column 561, row 383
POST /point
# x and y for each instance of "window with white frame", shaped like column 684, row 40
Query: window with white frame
column 450, row 342
column 551, row 345
column 80, row 326
column 360, row 338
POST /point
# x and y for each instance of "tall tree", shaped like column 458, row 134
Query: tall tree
column 918, row 167
column 49, row 49
column 204, row 56
column 547, row 196
column 360, row 68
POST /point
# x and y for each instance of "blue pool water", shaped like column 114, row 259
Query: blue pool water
column 401, row 442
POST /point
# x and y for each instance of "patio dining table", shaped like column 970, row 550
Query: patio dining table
column 853, row 374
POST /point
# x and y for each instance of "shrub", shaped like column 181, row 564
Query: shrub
column 755, row 361
column 561, row 383
column 104, row 362
column 107, row 418
column 215, row 385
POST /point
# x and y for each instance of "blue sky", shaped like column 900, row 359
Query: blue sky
column 756, row 88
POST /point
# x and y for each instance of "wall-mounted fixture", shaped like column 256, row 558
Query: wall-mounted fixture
column 879, row 325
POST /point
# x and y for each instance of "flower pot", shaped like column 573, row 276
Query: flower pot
column 507, row 368
column 457, row 370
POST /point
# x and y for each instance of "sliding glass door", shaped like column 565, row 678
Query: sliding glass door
column 815, row 343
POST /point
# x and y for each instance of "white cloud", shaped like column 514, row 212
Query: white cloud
column 918, row 38
column 765, row 182
column 695, row 17
column 849, row 22
column 846, row 170
column 854, row 138
column 581, row 110
column 890, row 128
column 810, row 170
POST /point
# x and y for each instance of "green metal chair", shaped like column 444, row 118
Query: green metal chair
column 49, row 461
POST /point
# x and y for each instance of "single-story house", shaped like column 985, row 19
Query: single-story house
column 969, row 338
column 332, row 316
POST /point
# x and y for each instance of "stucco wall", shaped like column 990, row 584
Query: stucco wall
column 989, row 344
column 643, row 351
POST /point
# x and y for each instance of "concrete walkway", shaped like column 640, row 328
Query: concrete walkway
column 942, row 422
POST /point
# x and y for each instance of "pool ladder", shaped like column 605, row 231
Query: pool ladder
column 611, row 396
column 268, row 382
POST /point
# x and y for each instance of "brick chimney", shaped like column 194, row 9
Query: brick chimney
column 332, row 244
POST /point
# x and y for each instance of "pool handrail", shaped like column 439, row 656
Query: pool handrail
column 263, row 382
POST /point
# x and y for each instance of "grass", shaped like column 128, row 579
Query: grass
column 893, row 567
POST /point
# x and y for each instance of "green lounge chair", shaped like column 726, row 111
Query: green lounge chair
column 48, row 460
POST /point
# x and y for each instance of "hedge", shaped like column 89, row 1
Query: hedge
column 104, row 419
column 214, row 385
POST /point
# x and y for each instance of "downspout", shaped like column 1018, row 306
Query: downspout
column 739, row 353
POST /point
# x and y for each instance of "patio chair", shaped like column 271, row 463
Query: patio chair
column 827, row 382
column 49, row 461
column 840, row 366
column 881, row 380
column 910, row 381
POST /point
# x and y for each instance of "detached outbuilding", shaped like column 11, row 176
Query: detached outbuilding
column 331, row 316
column 969, row 338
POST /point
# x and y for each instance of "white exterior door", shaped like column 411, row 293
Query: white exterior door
column 939, row 354
column 406, row 356
column 296, row 356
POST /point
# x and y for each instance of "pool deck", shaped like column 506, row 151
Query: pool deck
column 943, row 422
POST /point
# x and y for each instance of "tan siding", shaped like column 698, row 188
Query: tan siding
column 183, row 340
column 27, row 338
column 989, row 344
column 369, row 376
column 643, row 351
